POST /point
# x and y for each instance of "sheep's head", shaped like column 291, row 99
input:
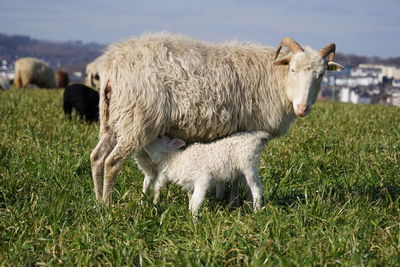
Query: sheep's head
column 306, row 68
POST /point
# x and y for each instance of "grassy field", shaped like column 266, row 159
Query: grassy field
column 332, row 188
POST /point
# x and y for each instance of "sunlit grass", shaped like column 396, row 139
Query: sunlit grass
column 331, row 186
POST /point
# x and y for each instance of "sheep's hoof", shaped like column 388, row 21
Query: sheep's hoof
column 257, row 207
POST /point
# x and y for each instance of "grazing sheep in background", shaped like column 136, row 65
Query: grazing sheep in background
column 163, row 84
column 201, row 166
column 92, row 78
column 4, row 83
column 33, row 71
column 84, row 100
column 62, row 79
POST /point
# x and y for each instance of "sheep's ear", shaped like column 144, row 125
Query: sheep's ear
column 176, row 143
column 282, row 61
column 335, row 66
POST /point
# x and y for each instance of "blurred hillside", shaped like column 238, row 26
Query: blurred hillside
column 351, row 60
column 74, row 55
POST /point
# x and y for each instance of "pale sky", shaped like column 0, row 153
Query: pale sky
column 362, row 27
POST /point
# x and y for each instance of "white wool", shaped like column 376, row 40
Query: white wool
column 92, row 75
column 165, row 84
column 33, row 71
column 200, row 167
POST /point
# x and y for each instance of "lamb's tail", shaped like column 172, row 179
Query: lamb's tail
column 264, row 136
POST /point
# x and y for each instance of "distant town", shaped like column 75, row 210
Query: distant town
column 365, row 84
column 366, row 80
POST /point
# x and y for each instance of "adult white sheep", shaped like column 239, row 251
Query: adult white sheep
column 33, row 71
column 200, row 167
column 92, row 75
column 163, row 84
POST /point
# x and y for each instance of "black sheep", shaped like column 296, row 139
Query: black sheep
column 84, row 99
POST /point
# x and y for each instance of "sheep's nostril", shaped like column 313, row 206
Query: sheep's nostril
column 302, row 110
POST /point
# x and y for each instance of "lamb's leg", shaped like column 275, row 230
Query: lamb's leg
column 147, row 167
column 190, row 194
column 112, row 166
column 97, row 158
column 198, row 196
column 255, row 186
column 220, row 189
column 160, row 184
column 234, row 196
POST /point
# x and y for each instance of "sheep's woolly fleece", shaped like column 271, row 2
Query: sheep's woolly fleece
column 201, row 166
column 33, row 71
column 197, row 91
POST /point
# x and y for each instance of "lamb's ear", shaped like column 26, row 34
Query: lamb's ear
column 176, row 143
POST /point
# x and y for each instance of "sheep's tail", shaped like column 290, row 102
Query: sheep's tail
column 104, row 106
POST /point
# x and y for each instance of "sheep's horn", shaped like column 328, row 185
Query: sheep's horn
column 291, row 44
column 328, row 50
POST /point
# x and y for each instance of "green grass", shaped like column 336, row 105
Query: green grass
column 332, row 188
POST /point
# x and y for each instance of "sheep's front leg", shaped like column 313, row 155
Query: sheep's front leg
column 97, row 158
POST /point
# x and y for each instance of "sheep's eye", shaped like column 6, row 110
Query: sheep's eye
column 292, row 70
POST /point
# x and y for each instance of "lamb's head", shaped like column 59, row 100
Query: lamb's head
column 306, row 68
column 162, row 147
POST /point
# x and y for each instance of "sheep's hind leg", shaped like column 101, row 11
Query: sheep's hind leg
column 97, row 158
column 67, row 108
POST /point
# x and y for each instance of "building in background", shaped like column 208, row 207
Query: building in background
column 367, row 84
